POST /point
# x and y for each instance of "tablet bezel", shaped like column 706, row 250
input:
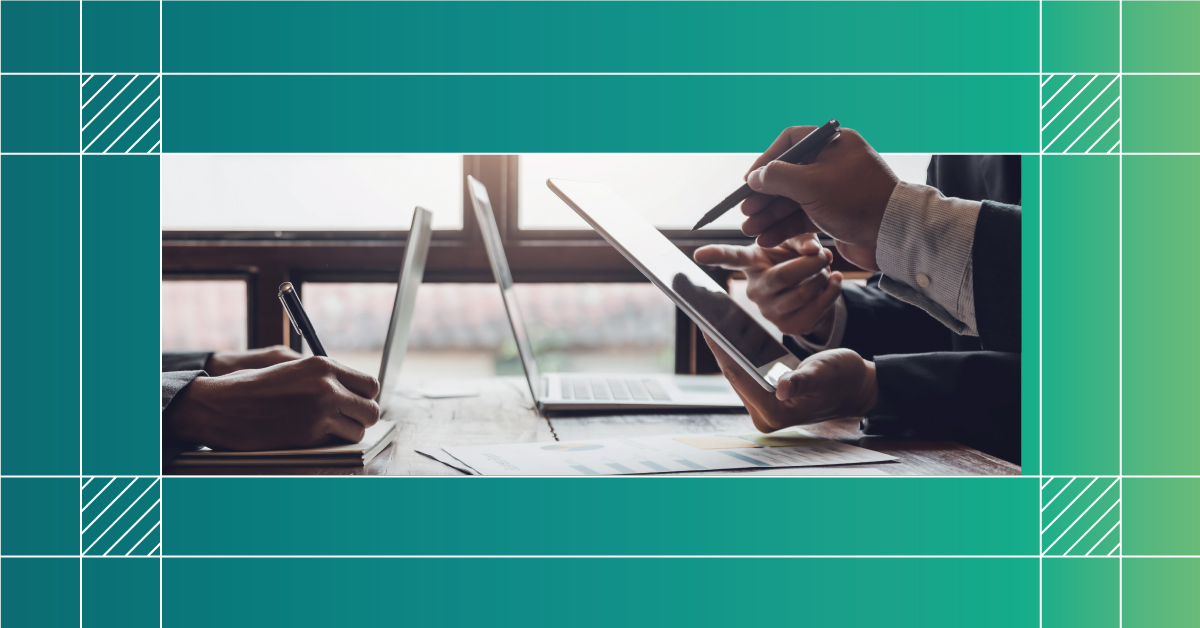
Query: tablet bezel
column 766, row 376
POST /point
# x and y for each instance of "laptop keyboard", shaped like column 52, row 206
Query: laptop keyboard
column 600, row 389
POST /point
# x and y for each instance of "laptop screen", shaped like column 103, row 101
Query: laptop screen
column 415, row 254
column 495, row 251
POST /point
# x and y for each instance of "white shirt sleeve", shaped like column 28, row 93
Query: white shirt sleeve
column 835, row 336
column 924, row 251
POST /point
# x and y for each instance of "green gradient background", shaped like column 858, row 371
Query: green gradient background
column 1161, row 223
column 120, row 226
column 703, row 114
column 596, row 37
column 999, row 592
column 614, row 516
column 518, row 114
column 1080, row 272
column 33, row 196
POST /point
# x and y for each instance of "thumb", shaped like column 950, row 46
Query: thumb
column 804, row 380
column 779, row 178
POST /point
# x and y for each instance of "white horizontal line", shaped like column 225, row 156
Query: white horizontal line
column 620, row 556
column 601, row 73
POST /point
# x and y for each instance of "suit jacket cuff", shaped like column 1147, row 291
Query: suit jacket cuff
column 924, row 251
column 184, row 360
column 173, row 383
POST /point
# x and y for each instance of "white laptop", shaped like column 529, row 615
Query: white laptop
column 416, row 252
column 378, row 436
column 591, row 391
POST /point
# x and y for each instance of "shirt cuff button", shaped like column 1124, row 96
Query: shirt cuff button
column 923, row 280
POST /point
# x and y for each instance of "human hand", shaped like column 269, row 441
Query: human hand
column 226, row 362
column 828, row 385
column 791, row 284
column 843, row 193
column 300, row 403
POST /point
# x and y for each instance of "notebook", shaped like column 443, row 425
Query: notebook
column 376, row 439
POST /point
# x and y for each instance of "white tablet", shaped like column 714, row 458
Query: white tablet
column 701, row 298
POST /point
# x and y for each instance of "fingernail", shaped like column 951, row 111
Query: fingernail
column 755, row 179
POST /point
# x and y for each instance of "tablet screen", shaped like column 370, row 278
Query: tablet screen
column 671, row 269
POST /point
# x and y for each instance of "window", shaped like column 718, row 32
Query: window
column 309, row 192
column 335, row 225
column 671, row 190
column 462, row 330
column 204, row 314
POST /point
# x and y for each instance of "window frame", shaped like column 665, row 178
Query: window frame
column 266, row 259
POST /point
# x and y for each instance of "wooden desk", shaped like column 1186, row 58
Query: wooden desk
column 503, row 412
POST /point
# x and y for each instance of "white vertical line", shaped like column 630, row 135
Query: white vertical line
column 160, row 469
column 1041, row 212
column 80, row 292
column 1120, row 317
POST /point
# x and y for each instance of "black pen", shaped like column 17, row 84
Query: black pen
column 299, row 318
column 801, row 152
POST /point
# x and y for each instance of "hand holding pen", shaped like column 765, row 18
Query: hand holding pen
column 843, row 193
column 300, row 322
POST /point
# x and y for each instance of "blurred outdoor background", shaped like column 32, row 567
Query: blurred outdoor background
column 459, row 329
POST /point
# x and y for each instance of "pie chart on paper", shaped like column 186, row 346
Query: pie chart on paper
column 572, row 447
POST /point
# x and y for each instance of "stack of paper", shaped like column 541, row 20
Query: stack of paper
column 378, row 437
column 655, row 454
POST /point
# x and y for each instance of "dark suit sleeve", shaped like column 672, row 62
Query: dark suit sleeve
column 996, row 275
column 879, row 324
column 184, row 360
column 173, row 383
column 972, row 397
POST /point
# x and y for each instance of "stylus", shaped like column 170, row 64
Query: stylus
column 299, row 318
column 803, row 151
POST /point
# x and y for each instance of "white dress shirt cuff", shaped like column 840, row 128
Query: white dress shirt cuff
column 924, row 251
column 835, row 336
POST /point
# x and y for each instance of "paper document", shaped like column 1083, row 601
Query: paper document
column 654, row 454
